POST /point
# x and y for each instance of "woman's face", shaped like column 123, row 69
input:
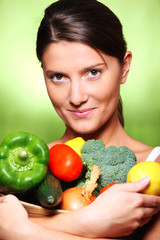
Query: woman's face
column 82, row 84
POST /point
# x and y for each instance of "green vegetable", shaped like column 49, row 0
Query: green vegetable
column 49, row 192
column 114, row 162
column 23, row 161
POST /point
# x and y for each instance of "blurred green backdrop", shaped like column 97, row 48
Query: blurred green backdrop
column 24, row 104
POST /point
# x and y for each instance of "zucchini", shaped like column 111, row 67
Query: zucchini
column 49, row 192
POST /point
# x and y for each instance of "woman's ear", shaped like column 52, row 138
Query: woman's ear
column 126, row 66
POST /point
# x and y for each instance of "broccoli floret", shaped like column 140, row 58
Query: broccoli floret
column 91, row 146
column 114, row 162
column 89, row 149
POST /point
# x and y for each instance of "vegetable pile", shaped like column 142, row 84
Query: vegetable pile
column 68, row 176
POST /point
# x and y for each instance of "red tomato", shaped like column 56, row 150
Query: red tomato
column 72, row 199
column 64, row 162
column 108, row 186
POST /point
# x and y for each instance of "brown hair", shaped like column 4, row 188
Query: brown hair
column 87, row 21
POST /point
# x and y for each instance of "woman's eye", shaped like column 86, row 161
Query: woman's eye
column 94, row 73
column 57, row 77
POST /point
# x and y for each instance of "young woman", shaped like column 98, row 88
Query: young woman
column 83, row 53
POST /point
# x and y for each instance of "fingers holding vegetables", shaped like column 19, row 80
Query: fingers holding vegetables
column 122, row 208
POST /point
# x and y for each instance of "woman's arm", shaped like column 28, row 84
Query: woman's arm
column 15, row 225
column 117, row 212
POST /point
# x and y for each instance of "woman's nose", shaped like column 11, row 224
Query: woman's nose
column 78, row 94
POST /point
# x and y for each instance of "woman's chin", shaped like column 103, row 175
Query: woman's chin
column 84, row 130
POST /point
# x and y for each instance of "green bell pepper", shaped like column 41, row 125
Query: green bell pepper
column 23, row 162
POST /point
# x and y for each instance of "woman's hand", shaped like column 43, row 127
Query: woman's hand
column 120, row 210
column 13, row 217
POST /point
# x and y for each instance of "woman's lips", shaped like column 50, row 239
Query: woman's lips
column 82, row 113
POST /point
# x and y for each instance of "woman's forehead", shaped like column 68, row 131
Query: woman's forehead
column 74, row 52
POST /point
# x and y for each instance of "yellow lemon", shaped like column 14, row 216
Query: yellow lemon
column 76, row 144
column 144, row 169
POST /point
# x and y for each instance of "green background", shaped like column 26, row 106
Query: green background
column 24, row 104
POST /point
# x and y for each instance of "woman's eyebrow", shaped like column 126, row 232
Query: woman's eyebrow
column 54, row 72
column 93, row 66
column 85, row 69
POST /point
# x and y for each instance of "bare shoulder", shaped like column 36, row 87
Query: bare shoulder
column 58, row 141
column 61, row 140
column 140, row 149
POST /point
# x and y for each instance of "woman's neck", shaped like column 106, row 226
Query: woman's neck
column 111, row 133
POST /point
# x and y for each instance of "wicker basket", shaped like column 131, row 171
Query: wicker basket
column 38, row 211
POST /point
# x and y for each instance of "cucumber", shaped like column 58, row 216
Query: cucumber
column 49, row 192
